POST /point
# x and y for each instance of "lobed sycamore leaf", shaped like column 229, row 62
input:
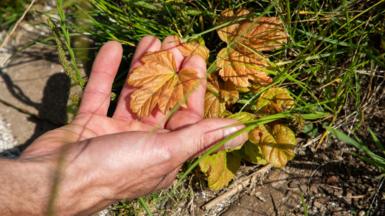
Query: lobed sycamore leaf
column 228, row 33
column 275, row 100
column 261, row 34
column 239, row 68
column 192, row 48
column 159, row 84
column 240, row 62
column 277, row 143
column 220, row 168
column 258, row 34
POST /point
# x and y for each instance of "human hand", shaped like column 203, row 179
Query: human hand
column 100, row 159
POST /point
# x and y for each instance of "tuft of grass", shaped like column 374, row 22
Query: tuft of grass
column 10, row 12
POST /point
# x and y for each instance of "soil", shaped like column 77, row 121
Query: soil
column 327, row 180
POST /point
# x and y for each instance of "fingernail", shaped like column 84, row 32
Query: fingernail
column 236, row 142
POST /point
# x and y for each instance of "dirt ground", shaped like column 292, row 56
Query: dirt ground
column 34, row 92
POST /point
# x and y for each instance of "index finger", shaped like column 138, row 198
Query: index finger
column 96, row 96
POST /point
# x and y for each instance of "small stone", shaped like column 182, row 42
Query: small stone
column 314, row 188
column 317, row 204
column 332, row 180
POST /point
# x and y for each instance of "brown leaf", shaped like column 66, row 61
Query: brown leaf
column 239, row 68
column 228, row 33
column 159, row 84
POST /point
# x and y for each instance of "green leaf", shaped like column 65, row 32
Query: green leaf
column 377, row 141
column 220, row 168
column 277, row 143
column 377, row 160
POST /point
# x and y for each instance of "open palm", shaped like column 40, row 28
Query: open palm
column 92, row 120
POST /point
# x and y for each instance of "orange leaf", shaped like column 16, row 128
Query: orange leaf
column 262, row 34
column 229, row 93
column 214, row 105
column 228, row 33
column 258, row 34
column 219, row 94
column 159, row 84
column 239, row 68
column 192, row 48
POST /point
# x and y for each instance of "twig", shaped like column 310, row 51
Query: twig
column 8, row 36
column 237, row 188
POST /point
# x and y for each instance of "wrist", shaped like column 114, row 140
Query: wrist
column 73, row 186
column 23, row 187
column 60, row 184
column 77, row 183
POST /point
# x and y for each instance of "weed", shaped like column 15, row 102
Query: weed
column 374, row 157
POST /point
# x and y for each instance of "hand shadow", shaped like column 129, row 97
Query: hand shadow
column 52, row 111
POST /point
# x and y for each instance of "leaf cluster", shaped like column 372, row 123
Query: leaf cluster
column 159, row 85
column 243, row 68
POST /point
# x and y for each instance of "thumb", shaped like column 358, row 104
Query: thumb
column 193, row 140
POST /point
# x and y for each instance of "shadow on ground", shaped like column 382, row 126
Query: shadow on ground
column 52, row 110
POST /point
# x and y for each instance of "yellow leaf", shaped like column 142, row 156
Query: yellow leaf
column 253, row 153
column 239, row 68
column 229, row 32
column 242, row 117
column 275, row 100
column 220, row 168
column 277, row 143
column 192, row 48
column 159, row 84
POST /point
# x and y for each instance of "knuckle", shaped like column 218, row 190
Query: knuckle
column 165, row 154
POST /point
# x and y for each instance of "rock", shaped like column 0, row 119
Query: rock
column 332, row 180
